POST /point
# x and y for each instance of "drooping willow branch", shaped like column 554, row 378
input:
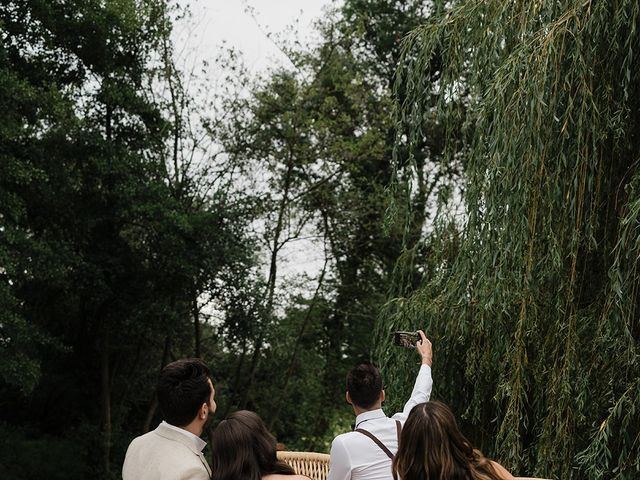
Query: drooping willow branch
column 530, row 297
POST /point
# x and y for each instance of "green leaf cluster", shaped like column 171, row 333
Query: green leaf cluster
column 101, row 258
column 530, row 295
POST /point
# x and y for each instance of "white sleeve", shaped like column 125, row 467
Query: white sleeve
column 340, row 461
column 420, row 394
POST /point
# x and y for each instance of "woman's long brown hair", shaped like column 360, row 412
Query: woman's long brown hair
column 433, row 448
column 243, row 448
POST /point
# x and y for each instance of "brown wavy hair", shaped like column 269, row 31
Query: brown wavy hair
column 243, row 448
column 433, row 448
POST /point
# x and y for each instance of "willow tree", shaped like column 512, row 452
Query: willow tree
column 531, row 295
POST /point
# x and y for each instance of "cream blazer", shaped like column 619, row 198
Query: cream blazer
column 164, row 454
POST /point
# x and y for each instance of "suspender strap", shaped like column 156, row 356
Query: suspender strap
column 377, row 441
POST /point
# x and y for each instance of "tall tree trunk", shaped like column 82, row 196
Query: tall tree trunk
column 153, row 406
column 236, row 380
column 294, row 354
column 271, row 283
column 335, row 333
column 176, row 110
column 196, row 326
column 257, row 345
column 105, row 381
column 105, row 396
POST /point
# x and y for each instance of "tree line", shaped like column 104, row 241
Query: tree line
column 143, row 221
column 464, row 167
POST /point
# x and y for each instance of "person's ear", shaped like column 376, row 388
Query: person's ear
column 204, row 410
column 382, row 395
column 348, row 398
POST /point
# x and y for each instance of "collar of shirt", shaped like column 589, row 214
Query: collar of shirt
column 197, row 441
column 370, row 415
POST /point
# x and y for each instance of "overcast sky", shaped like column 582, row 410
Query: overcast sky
column 243, row 25
column 219, row 22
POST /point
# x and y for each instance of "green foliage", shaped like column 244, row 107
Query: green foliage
column 317, row 143
column 530, row 296
column 29, row 454
column 126, row 202
column 101, row 259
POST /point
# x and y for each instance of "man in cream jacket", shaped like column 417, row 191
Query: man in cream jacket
column 173, row 451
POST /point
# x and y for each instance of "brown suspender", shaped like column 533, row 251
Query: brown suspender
column 382, row 446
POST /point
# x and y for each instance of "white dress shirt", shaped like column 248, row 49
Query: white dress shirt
column 355, row 456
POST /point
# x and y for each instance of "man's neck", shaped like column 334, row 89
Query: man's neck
column 194, row 427
column 358, row 410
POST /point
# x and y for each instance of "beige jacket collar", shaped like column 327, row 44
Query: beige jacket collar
column 165, row 431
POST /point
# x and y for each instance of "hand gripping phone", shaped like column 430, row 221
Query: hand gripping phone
column 406, row 339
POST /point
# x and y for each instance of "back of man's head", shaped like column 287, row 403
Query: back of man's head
column 182, row 388
column 364, row 384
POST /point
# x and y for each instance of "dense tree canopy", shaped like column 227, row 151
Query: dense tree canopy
column 531, row 295
column 101, row 260
column 322, row 136
column 141, row 222
column 478, row 179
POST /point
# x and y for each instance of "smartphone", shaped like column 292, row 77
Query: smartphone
column 406, row 339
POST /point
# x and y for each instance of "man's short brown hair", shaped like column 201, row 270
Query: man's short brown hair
column 182, row 388
column 364, row 384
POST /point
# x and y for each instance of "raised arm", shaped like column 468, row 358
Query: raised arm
column 424, row 383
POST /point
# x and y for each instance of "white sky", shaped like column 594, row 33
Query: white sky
column 244, row 25
column 216, row 23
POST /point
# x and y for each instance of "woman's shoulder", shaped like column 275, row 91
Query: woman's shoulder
column 280, row 476
column 500, row 470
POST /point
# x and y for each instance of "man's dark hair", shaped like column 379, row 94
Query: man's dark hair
column 364, row 384
column 182, row 388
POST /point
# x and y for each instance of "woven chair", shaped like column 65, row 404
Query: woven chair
column 316, row 465
column 313, row 465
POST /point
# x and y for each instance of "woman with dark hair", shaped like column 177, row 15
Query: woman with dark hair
column 244, row 449
column 433, row 448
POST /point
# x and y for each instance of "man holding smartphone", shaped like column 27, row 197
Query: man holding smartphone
column 367, row 452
